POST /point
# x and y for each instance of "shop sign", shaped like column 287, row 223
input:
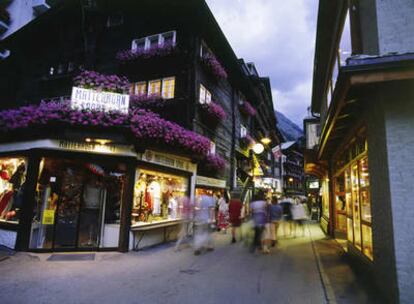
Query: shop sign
column 91, row 147
column 268, row 183
column 314, row 185
column 168, row 160
column 87, row 99
column 210, row 182
column 48, row 217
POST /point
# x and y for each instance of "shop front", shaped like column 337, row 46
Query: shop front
column 352, row 205
column 210, row 186
column 164, row 184
column 58, row 195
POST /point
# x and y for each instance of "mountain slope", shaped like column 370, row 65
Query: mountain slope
column 289, row 129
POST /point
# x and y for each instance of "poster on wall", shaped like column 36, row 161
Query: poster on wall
column 87, row 99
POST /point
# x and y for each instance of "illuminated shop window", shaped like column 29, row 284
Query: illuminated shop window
column 158, row 197
column 12, row 186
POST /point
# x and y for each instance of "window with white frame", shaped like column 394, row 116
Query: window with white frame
column 205, row 95
column 146, row 43
column 164, row 87
column 154, row 87
column 243, row 131
column 212, row 147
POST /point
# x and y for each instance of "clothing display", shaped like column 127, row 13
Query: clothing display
column 157, row 196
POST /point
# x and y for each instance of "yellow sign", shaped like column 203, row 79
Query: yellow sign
column 48, row 217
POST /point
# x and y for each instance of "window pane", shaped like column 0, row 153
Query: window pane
column 169, row 38
column 168, row 86
column 138, row 44
column 367, row 241
column 141, row 88
column 202, row 98
column 132, row 89
column 12, row 185
column 212, row 147
column 154, row 87
column 243, row 131
column 208, row 97
column 153, row 41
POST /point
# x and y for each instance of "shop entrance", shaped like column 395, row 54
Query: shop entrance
column 78, row 205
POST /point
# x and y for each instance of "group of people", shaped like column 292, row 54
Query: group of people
column 257, row 225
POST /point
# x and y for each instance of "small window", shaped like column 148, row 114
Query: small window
column 243, row 131
column 168, row 38
column 141, row 88
column 154, row 87
column 168, row 87
column 202, row 94
column 208, row 97
column 212, row 147
column 152, row 41
column 138, row 44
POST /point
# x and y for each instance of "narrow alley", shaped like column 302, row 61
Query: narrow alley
column 298, row 270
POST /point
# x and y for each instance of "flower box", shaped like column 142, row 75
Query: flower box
column 211, row 63
column 212, row 113
column 126, row 56
column 98, row 81
column 247, row 109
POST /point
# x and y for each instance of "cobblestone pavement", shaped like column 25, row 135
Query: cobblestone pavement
column 229, row 274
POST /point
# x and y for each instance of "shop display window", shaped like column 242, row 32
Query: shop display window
column 365, row 191
column 367, row 241
column 356, row 206
column 350, row 230
column 158, row 197
column 340, row 203
column 12, row 185
column 78, row 204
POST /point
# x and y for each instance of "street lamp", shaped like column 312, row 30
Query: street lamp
column 258, row 148
column 266, row 140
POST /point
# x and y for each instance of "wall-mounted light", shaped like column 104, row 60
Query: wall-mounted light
column 258, row 148
column 266, row 140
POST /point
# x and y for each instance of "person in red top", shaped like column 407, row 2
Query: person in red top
column 235, row 207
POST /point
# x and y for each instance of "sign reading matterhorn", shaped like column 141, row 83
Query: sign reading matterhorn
column 87, row 99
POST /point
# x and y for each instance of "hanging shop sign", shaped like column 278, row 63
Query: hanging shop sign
column 48, row 217
column 210, row 182
column 91, row 147
column 268, row 183
column 87, row 99
column 168, row 160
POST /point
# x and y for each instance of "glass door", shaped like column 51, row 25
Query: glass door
column 78, row 205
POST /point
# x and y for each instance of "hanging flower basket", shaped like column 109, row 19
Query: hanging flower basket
column 211, row 63
column 148, row 102
column 212, row 113
column 246, row 141
column 98, row 81
column 247, row 109
column 129, row 55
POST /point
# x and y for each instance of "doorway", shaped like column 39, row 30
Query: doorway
column 78, row 205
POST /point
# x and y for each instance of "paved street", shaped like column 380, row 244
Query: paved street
column 230, row 274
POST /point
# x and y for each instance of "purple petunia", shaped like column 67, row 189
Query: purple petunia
column 215, row 163
column 211, row 62
column 214, row 111
column 247, row 109
column 165, row 49
column 98, row 81
column 143, row 124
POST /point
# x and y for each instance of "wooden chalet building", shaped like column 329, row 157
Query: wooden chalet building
column 82, row 180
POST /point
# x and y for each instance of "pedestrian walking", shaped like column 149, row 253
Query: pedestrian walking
column 286, row 204
column 223, row 214
column 235, row 208
column 298, row 216
column 204, row 223
column 258, row 211
column 267, row 231
column 186, row 213
column 276, row 213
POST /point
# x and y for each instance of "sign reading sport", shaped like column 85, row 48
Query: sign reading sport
column 86, row 99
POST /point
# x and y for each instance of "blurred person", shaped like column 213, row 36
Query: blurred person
column 186, row 214
column 223, row 214
column 276, row 213
column 286, row 205
column 258, row 211
column 204, row 222
column 267, row 231
column 299, row 216
column 235, row 209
